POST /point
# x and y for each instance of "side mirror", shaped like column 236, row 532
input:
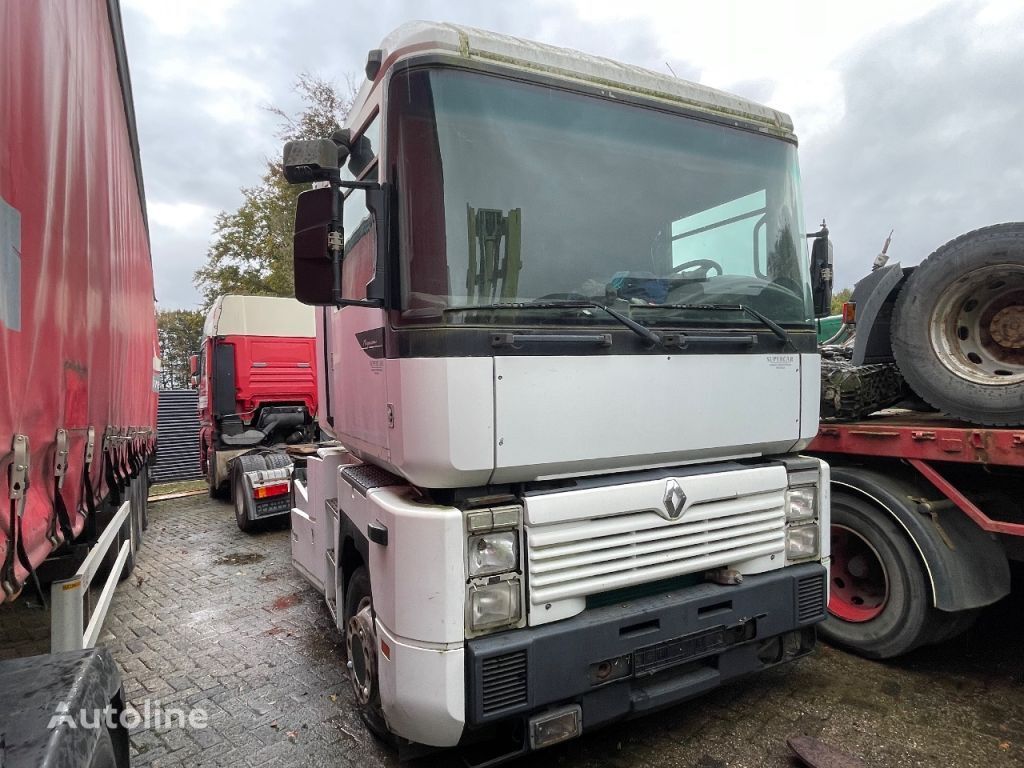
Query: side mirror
column 312, row 160
column 821, row 274
column 193, row 365
column 314, row 268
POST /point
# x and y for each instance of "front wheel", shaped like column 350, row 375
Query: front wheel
column 361, row 645
column 879, row 597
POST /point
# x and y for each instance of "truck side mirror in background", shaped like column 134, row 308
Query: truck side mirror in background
column 313, row 160
column 313, row 263
column 193, row 371
column 821, row 272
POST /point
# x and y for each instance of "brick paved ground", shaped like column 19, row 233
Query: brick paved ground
column 218, row 620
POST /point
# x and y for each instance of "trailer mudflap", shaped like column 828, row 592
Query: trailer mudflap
column 54, row 709
column 967, row 567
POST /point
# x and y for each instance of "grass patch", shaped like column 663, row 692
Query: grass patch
column 183, row 486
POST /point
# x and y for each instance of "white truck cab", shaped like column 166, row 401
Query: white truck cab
column 566, row 338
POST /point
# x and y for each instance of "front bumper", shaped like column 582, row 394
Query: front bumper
column 663, row 649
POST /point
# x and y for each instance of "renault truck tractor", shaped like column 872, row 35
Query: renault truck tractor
column 566, row 344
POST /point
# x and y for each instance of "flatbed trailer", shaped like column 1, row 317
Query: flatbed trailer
column 930, row 514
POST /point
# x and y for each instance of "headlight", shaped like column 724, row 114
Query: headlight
column 494, row 605
column 492, row 553
column 802, row 541
column 801, row 504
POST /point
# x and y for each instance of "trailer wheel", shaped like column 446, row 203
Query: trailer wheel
column 958, row 327
column 361, row 646
column 879, row 600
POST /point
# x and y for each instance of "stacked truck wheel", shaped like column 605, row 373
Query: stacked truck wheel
column 958, row 327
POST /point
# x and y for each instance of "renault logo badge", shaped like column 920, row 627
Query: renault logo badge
column 674, row 499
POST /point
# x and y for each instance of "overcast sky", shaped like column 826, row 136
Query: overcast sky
column 910, row 114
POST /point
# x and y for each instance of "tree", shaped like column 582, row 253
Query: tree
column 180, row 332
column 840, row 298
column 252, row 246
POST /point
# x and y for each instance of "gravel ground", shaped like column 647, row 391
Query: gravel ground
column 218, row 620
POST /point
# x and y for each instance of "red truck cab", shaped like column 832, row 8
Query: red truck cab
column 257, row 379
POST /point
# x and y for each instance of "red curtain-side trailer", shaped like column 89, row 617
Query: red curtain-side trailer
column 78, row 365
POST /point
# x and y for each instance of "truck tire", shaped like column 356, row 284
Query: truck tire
column 217, row 489
column 361, row 648
column 958, row 327
column 277, row 460
column 240, row 501
column 880, row 604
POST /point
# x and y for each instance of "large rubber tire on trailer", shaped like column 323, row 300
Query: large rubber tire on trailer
column 880, row 602
column 361, row 646
column 958, row 327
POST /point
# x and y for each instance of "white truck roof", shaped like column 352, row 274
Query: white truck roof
column 259, row 316
column 424, row 37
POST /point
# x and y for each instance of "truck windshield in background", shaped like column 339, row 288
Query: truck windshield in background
column 512, row 192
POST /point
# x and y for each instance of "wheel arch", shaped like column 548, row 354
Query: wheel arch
column 875, row 297
column 354, row 552
column 965, row 566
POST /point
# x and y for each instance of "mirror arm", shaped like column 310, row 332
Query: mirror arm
column 375, row 185
column 823, row 232
column 335, row 243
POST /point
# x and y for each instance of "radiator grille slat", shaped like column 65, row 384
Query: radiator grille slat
column 585, row 557
column 810, row 599
column 503, row 682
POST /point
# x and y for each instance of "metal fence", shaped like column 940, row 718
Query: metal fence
column 178, row 436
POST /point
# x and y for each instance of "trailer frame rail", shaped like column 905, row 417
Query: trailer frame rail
column 68, row 597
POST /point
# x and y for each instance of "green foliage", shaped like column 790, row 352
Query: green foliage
column 840, row 298
column 179, row 332
column 252, row 247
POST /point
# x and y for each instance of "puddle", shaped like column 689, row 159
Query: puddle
column 239, row 558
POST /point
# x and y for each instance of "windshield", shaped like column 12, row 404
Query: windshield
column 512, row 192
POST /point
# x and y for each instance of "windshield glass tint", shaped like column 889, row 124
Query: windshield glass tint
column 513, row 192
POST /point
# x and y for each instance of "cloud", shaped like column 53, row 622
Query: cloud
column 929, row 142
column 203, row 73
column 908, row 117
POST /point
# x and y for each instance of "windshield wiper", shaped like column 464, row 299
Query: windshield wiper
column 770, row 324
column 642, row 331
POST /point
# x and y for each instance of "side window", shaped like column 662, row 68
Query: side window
column 732, row 234
column 360, row 259
column 364, row 150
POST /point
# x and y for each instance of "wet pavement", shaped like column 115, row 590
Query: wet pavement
column 216, row 620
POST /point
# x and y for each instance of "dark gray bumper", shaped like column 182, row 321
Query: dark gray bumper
column 667, row 648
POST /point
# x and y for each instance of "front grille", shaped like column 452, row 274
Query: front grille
column 810, row 599
column 503, row 682
column 283, row 378
column 586, row 557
